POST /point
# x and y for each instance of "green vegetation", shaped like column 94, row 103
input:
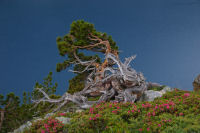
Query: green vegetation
column 94, row 98
column 177, row 111
column 12, row 113
column 157, row 88
column 15, row 114
column 48, row 87
column 77, row 41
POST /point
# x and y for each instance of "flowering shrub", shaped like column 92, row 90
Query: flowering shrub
column 173, row 112
column 177, row 111
column 50, row 125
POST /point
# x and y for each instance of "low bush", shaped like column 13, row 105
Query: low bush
column 176, row 111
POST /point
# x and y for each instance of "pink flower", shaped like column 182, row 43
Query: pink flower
column 132, row 110
column 180, row 114
column 62, row 114
column 167, row 107
column 153, row 113
column 187, row 94
column 171, row 103
column 143, row 105
column 46, row 126
column 91, row 110
column 114, row 111
column 129, row 111
column 90, row 118
column 138, row 110
column 97, row 115
column 42, row 131
column 148, row 129
column 97, row 106
column 140, row 129
column 159, row 125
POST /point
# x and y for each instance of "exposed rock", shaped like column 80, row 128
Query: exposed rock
column 28, row 124
column 48, row 115
column 150, row 85
column 64, row 120
column 165, row 89
column 196, row 84
column 23, row 127
column 150, row 95
column 79, row 110
column 38, row 119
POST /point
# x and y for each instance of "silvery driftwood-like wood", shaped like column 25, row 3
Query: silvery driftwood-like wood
column 120, row 83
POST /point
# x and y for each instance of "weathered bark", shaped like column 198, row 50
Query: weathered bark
column 123, row 83
column 151, row 85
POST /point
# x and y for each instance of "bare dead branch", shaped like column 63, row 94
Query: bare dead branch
column 122, row 83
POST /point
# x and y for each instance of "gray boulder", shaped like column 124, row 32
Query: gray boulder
column 165, row 89
column 79, row 110
column 64, row 120
column 196, row 84
column 150, row 95
column 35, row 120
column 28, row 124
column 23, row 127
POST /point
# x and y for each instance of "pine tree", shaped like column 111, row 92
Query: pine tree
column 81, row 39
column 46, row 85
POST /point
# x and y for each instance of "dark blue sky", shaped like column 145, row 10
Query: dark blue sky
column 163, row 33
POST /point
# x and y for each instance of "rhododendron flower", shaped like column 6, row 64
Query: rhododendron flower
column 62, row 114
column 97, row 106
column 140, row 129
column 46, row 125
column 180, row 114
column 97, row 115
column 42, row 131
column 153, row 113
column 91, row 110
column 187, row 94
column 90, row 118
column 114, row 111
